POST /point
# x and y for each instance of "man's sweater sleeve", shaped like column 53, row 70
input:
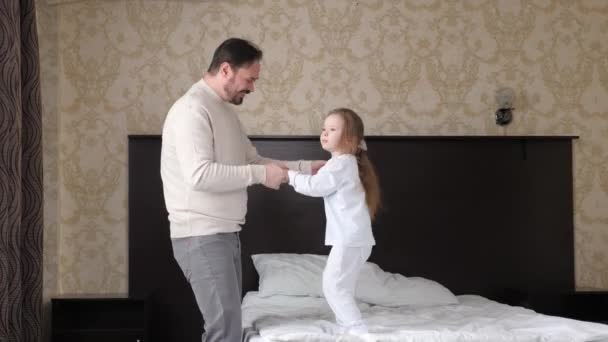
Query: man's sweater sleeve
column 194, row 149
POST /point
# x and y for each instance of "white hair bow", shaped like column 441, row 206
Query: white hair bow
column 363, row 145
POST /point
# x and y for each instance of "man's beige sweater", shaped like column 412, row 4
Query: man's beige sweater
column 207, row 163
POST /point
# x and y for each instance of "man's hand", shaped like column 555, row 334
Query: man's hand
column 275, row 175
column 316, row 165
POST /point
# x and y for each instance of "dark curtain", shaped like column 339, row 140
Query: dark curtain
column 20, row 174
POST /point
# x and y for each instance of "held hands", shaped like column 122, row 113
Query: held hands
column 275, row 175
column 316, row 165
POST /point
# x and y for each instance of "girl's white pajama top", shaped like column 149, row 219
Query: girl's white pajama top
column 348, row 220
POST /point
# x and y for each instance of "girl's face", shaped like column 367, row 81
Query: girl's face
column 331, row 136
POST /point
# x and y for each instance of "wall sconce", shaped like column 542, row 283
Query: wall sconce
column 504, row 99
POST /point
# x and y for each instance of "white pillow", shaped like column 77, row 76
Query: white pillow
column 376, row 286
column 301, row 275
column 290, row 274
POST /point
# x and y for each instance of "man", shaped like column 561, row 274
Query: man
column 207, row 163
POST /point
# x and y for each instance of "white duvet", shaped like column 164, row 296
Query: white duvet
column 475, row 318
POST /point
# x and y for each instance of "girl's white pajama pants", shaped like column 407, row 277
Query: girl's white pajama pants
column 340, row 281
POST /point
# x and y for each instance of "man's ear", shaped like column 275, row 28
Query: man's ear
column 225, row 70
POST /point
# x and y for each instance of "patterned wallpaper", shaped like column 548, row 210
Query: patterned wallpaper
column 411, row 67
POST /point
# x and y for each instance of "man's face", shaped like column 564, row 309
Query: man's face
column 241, row 82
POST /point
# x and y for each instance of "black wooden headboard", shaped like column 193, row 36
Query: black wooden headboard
column 478, row 214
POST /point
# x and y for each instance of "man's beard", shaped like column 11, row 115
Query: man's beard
column 234, row 96
column 236, row 100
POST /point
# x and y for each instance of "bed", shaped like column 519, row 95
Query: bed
column 475, row 318
column 481, row 217
column 288, row 306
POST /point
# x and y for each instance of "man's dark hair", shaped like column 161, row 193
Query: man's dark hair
column 236, row 52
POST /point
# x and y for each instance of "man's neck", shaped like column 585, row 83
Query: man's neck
column 213, row 83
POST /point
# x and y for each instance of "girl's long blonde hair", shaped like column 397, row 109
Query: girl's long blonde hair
column 350, row 143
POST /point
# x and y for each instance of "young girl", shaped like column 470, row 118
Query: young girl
column 350, row 190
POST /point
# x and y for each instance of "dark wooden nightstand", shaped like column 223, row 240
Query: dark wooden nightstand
column 587, row 305
column 93, row 319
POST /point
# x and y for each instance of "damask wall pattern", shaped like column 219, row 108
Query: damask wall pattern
column 410, row 67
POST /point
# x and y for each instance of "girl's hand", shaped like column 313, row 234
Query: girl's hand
column 275, row 175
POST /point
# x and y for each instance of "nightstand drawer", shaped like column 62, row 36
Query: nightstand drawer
column 99, row 335
column 98, row 319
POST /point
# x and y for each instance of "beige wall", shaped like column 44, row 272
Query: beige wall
column 416, row 67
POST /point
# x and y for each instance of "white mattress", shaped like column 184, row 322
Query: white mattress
column 475, row 318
